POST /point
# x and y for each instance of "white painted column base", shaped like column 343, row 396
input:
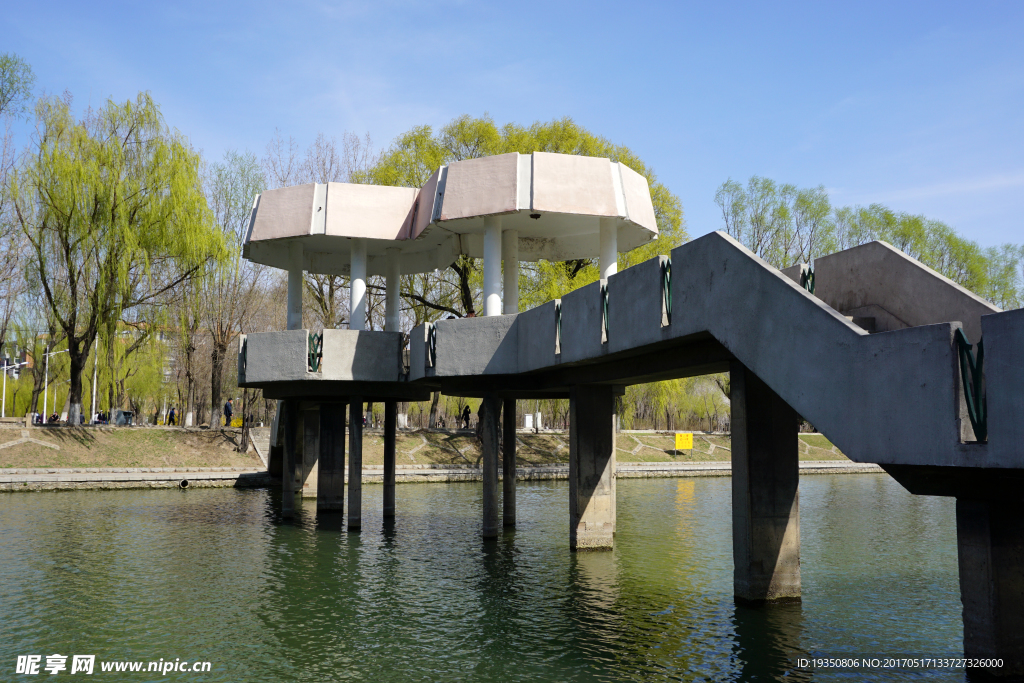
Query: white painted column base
column 357, row 285
column 492, row 265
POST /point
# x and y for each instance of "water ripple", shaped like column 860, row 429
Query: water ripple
column 217, row 575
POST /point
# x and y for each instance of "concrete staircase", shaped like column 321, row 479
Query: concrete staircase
column 261, row 443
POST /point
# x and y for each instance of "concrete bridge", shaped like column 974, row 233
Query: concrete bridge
column 872, row 359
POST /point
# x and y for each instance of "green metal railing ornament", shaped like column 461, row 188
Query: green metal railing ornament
column 316, row 351
column 972, row 374
column 432, row 344
column 807, row 279
column 558, row 327
column 604, row 310
column 666, row 288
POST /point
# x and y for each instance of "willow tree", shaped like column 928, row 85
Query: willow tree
column 233, row 291
column 114, row 213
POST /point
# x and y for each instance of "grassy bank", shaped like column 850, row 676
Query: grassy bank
column 120, row 447
column 142, row 447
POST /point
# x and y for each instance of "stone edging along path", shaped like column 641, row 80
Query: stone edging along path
column 54, row 479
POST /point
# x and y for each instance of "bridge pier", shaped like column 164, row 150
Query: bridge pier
column 591, row 467
column 309, row 477
column 390, row 429
column 290, row 466
column 765, row 497
column 508, row 462
column 990, row 549
column 490, row 437
column 330, row 493
column 355, row 463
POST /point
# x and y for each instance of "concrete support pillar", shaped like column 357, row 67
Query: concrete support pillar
column 492, row 265
column 609, row 247
column 390, row 429
column 292, row 454
column 295, row 286
column 591, row 467
column 330, row 494
column 310, row 452
column 357, row 285
column 765, row 498
column 355, row 462
column 392, row 302
column 990, row 544
column 490, row 415
column 510, row 257
column 508, row 462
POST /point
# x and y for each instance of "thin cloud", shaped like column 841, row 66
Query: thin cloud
column 978, row 185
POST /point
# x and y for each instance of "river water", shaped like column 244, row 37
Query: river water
column 215, row 575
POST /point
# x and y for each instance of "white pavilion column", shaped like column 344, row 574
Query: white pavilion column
column 492, row 265
column 394, row 282
column 510, row 254
column 357, row 285
column 295, row 286
column 609, row 248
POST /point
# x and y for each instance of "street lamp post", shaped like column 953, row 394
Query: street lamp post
column 3, row 408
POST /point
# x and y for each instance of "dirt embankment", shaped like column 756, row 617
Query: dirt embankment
column 176, row 447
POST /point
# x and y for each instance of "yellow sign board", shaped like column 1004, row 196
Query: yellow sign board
column 684, row 441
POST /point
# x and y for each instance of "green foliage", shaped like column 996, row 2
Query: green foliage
column 786, row 225
column 113, row 210
column 16, row 83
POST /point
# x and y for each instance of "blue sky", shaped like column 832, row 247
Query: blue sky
column 918, row 105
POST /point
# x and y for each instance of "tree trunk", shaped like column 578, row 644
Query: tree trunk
column 78, row 353
column 37, row 390
column 217, row 361
column 110, row 365
column 433, row 410
column 243, row 446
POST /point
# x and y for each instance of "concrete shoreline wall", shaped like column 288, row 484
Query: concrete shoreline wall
column 51, row 479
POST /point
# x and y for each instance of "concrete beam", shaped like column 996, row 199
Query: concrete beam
column 508, row 462
column 331, row 485
column 765, row 498
column 490, row 414
column 355, row 463
column 591, row 467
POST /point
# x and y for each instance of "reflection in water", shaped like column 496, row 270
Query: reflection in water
column 768, row 642
column 217, row 575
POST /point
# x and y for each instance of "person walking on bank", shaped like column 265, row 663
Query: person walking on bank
column 227, row 413
column 171, row 417
column 465, row 417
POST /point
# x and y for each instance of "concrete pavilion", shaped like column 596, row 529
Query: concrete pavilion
column 504, row 209
column 510, row 207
